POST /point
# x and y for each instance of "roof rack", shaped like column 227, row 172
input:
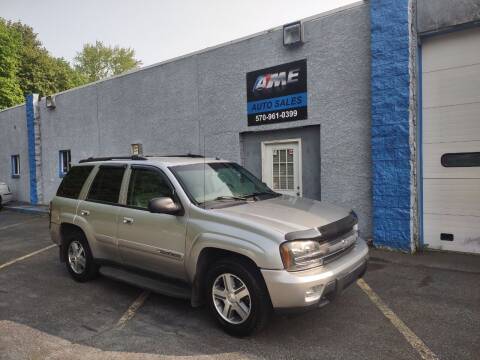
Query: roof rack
column 182, row 155
column 132, row 157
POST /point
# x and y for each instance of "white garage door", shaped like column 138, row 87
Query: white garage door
column 451, row 141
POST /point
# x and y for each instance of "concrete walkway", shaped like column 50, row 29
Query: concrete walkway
column 26, row 208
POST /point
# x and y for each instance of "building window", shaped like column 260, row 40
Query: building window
column 64, row 162
column 461, row 159
column 15, row 166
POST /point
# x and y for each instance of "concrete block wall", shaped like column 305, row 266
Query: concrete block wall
column 445, row 15
column 390, row 132
column 13, row 141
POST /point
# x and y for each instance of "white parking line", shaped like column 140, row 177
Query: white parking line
column 11, row 262
column 131, row 311
column 409, row 335
column 18, row 224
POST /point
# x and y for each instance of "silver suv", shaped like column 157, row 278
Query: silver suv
column 206, row 230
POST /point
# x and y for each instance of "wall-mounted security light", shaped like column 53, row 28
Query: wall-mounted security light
column 293, row 34
column 137, row 149
column 50, row 102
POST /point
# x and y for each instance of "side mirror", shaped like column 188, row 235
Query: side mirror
column 164, row 205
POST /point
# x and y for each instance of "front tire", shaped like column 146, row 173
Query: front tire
column 237, row 296
column 78, row 257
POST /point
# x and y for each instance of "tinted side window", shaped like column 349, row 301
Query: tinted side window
column 106, row 185
column 73, row 182
column 146, row 184
column 461, row 159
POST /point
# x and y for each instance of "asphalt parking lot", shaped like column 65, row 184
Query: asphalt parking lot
column 408, row 307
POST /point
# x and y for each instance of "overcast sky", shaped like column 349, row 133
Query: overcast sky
column 157, row 30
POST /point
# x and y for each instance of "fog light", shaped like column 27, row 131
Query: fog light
column 314, row 293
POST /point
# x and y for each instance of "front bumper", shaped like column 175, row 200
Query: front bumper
column 291, row 289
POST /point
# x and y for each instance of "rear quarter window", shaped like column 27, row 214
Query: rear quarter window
column 73, row 182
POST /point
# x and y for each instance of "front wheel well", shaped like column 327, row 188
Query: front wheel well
column 66, row 230
column 207, row 257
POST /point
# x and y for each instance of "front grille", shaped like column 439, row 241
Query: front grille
column 340, row 246
column 334, row 256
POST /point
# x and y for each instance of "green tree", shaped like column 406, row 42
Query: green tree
column 27, row 67
column 98, row 61
column 10, row 91
column 38, row 71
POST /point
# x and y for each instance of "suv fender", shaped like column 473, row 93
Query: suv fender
column 222, row 242
column 84, row 226
column 207, row 257
column 67, row 228
column 220, row 245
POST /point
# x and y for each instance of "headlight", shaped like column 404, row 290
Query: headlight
column 302, row 254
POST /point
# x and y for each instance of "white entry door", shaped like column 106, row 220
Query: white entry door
column 451, row 141
column 281, row 166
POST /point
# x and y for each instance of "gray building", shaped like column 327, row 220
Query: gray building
column 349, row 115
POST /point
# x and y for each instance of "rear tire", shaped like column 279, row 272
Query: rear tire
column 78, row 257
column 243, row 306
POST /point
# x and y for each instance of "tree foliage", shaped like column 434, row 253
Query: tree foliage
column 27, row 67
column 39, row 72
column 10, row 43
column 98, row 61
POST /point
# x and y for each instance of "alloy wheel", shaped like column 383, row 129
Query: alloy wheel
column 231, row 298
column 77, row 258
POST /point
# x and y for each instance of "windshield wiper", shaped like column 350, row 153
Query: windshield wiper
column 241, row 198
column 226, row 197
column 229, row 197
column 258, row 193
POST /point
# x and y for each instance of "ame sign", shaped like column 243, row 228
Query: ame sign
column 277, row 94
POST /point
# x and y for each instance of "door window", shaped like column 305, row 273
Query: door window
column 106, row 185
column 146, row 184
column 282, row 169
column 281, row 166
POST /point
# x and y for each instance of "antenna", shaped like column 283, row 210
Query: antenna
column 204, row 171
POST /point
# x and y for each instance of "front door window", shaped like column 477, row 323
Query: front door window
column 146, row 184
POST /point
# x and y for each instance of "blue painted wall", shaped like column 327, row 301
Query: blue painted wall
column 390, row 123
column 31, row 148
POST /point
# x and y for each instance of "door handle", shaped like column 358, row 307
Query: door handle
column 127, row 220
column 84, row 212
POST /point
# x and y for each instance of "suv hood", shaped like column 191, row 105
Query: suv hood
column 287, row 213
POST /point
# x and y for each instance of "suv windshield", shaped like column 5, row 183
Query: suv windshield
column 218, row 182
